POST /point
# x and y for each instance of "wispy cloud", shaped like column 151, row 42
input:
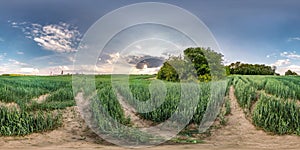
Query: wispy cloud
column 20, row 52
column 2, row 56
column 18, row 63
column 54, row 60
column 271, row 55
column 291, row 55
column 282, row 70
column 294, row 39
column 3, row 69
column 61, row 37
column 29, row 70
column 1, row 39
column 282, row 62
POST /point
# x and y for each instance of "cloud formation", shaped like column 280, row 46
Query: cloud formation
column 294, row 39
column 20, row 52
column 61, row 37
column 29, row 70
column 291, row 55
column 2, row 56
column 295, row 68
column 18, row 63
column 282, row 62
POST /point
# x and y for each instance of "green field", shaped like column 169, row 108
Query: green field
column 271, row 102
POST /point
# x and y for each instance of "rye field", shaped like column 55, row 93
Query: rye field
column 34, row 104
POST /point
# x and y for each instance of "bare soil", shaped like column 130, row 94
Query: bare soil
column 41, row 98
column 10, row 105
column 239, row 133
column 130, row 112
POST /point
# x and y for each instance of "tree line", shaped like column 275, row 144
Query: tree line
column 250, row 69
column 204, row 64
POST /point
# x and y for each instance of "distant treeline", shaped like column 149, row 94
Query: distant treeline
column 250, row 69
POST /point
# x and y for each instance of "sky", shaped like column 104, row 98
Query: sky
column 42, row 37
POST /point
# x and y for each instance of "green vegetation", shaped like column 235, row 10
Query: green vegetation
column 14, row 122
column 271, row 101
column 106, row 108
column 31, row 116
column 203, row 64
column 277, row 115
column 250, row 69
column 289, row 72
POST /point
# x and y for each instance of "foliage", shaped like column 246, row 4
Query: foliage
column 227, row 106
column 277, row 115
column 277, row 107
column 251, row 69
column 245, row 93
column 200, row 63
column 289, row 72
column 13, row 122
column 168, row 72
column 31, row 116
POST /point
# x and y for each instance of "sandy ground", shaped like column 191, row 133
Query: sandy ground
column 239, row 133
column 131, row 112
column 41, row 98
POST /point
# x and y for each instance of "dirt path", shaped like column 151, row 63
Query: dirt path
column 241, row 133
column 131, row 113
column 10, row 105
column 41, row 98
column 238, row 134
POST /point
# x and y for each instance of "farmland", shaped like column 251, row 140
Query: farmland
column 271, row 102
column 33, row 104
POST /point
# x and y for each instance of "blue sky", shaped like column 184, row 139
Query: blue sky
column 39, row 37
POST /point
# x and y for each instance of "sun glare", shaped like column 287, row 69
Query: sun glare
column 145, row 66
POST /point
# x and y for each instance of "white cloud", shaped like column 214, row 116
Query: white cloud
column 15, row 62
column 282, row 62
column 134, row 70
column 54, row 60
column 271, row 55
column 29, row 70
column 2, row 56
column 60, row 37
column 113, row 58
column 294, row 39
column 291, row 55
column 2, row 69
column 20, row 52
column 1, row 40
column 227, row 61
column 295, row 68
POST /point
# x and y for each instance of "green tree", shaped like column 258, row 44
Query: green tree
column 251, row 69
column 290, row 72
column 202, row 63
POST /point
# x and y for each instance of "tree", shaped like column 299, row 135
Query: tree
column 289, row 72
column 167, row 72
column 202, row 63
column 251, row 69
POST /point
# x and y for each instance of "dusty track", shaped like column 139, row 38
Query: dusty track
column 239, row 133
